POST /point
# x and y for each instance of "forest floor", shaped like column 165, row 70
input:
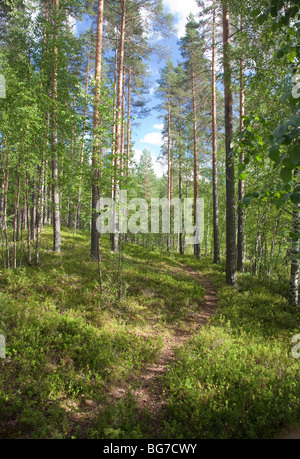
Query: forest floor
column 150, row 395
column 179, row 355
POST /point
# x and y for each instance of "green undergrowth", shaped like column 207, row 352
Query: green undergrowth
column 74, row 356
column 237, row 378
column 68, row 347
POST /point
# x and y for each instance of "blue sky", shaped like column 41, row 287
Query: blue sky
column 148, row 133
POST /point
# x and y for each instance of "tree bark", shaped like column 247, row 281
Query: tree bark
column 28, row 220
column 96, row 123
column 33, row 211
column 181, row 234
column 5, row 172
column 115, row 239
column 294, row 277
column 197, row 251
column 113, row 149
column 77, row 210
column 241, row 185
column 39, row 213
column 231, row 274
column 128, row 122
column 16, row 212
column 277, row 220
column 169, row 166
column 55, row 174
column 214, row 145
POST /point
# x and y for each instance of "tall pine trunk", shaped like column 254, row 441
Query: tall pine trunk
column 214, row 145
column 169, row 241
column 55, row 174
column 28, row 218
column 241, row 184
column 197, row 251
column 231, row 274
column 117, row 162
column 294, row 278
column 5, row 171
column 181, row 234
column 16, row 211
column 128, row 122
column 113, row 149
column 39, row 212
column 77, row 210
column 96, row 123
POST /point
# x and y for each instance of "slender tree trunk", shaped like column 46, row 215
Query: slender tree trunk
column 231, row 274
column 214, row 145
column 77, row 210
column 55, row 173
column 3, row 181
column 45, row 203
column 197, row 251
column 2, row 200
column 181, row 234
column 19, row 224
column 5, row 171
column 39, row 213
column 169, row 167
column 113, row 150
column 33, row 211
column 115, row 239
column 128, row 131
column 257, row 244
column 28, row 219
column 49, row 206
column 70, row 203
column 17, row 201
column 128, row 122
column 207, row 235
column 122, row 160
column 96, row 123
column 271, row 263
column 241, row 185
column 294, row 277
column 45, row 207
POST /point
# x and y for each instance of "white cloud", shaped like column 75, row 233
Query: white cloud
column 137, row 155
column 153, row 88
column 72, row 24
column 181, row 9
column 153, row 138
column 159, row 168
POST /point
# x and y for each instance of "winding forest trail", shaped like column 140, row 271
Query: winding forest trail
column 146, row 386
column 150, row 396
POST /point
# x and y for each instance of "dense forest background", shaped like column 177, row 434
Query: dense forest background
column 69, row 110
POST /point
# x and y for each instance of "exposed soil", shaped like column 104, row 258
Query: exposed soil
column 293, row 434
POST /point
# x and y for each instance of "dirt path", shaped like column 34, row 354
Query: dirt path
column 293, row 434
column 146, row 386
column 150, row 394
